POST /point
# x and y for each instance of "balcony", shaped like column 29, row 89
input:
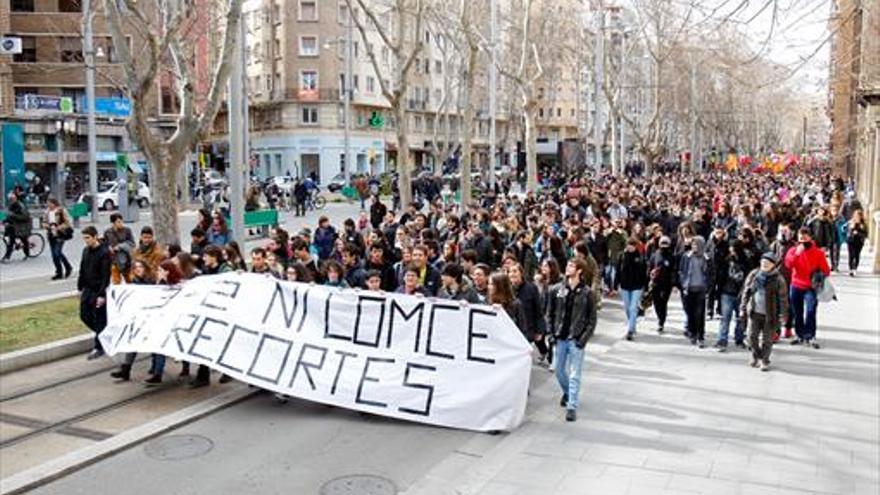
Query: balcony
column 317, row 95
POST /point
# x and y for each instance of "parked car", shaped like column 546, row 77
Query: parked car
column 108, row 195
column 284, row 182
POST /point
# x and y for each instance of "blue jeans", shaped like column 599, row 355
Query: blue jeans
column 157, row 366
column 631, row 300
column 729, row 309
column 804, row 326
column 569, row 355
column 610, row 276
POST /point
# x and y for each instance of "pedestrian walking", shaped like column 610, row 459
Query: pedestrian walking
column 807, row 263
column 632, row 276
column 92, row 282
column 59, row 229
column 765, row 303
column 857, row 232
column 572, row 319
column 695, row 274
column 18, row 226
column 663, row 276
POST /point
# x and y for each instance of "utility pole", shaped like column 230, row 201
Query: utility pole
column 804, row 144
column 89, row 49
column 348, row 88
column 236, row 144
column 59, row 164
column 245, row 105
column 492, row 90
column 622, row 102
column 599, row 62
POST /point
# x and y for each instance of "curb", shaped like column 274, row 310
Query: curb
column 38, row 299
column 45, row 353
column 74, row 461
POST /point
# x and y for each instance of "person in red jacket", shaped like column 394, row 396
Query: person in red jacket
column 803, row 260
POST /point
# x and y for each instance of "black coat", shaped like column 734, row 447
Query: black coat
column 632, row 271
column 532, row 309
column 662, row 269
column 583, row 314
column 94, row 271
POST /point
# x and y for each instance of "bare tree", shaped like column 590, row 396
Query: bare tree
column 527, row 73
column 162, row 24
column 405, row 50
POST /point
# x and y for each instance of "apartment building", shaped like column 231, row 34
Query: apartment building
column 294, row 77
column 42, row 91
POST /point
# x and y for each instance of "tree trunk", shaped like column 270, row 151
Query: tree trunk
column 467, row 129
column 403, row 167
column 531, row 143
column 164, row 202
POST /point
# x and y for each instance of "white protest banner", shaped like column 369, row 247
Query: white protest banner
column 419, row 359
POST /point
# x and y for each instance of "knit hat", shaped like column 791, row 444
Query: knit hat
column 769, row 256
column 665, row 241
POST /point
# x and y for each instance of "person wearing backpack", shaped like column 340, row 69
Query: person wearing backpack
column 59, row 226
column 804, row 260
column 764, row 304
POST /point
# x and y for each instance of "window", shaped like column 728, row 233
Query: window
column 427, row 66
column 308, row 10
column 427, row 37
column 69, row 6
column 371, row 85
column 276, row 13
column 71, row 49
column 558, row 112
column 169, row 100
column 384, row 54
column 572, row 112
column 308, row 79
column 541, row 113
column 277, row 86
column 438, row 95
column 277, row 48
column 258, row 54
column 438, row 67
column 342, row 13
column 22, row 5
column 308, row 46
column 258, row 85
column 28, row 50
column 310, row 115
column 355, row 84
column 356, row 50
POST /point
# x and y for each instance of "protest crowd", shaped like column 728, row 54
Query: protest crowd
column 750, row 252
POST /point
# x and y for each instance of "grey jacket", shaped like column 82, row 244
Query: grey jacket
column 583, row 314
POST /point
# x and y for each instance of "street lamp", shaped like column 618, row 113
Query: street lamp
column 89, row 52
column 347, row 93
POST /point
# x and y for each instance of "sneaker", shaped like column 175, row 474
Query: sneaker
column 720, row 345
column 815, row 344
column 740, row 345
column 721, row 348
column 852, row 273
column 765, row 366
column 701, row 344
column 629, row 337
column 57, row 277
column 564, row 401
column 68, row 272
column 225, row 379
column 570, row 415
column 95, row 354
column 754, row 363
column 660, row 330
column 693, row 341
column 153, row 379
column 797, row 342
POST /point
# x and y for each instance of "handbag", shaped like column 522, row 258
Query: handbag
column 65, row 233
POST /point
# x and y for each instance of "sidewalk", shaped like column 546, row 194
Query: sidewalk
column 659, row 416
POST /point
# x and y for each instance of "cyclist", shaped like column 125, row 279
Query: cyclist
column 18, row 226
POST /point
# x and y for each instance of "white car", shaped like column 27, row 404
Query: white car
column 214, row 179
column 108, row 195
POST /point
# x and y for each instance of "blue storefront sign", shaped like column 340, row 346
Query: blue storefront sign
column 116, row 107
column 13, row 156
column 63, row 104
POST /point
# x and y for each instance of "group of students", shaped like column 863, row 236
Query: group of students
column 752, row 245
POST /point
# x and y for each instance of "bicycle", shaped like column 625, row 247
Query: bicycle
column 318, row 201
column 36, row 243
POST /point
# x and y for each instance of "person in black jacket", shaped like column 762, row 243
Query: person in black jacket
column 94, row 277
column 717, row 249
column 572, row 319
column 662, row 274
column 632, row 277
column 18, row 226
column 530, row 302
column 730, row 277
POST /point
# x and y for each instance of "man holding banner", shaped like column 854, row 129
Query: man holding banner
column 572, row 316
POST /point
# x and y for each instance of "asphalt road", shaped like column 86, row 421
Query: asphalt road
column 24, row 281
